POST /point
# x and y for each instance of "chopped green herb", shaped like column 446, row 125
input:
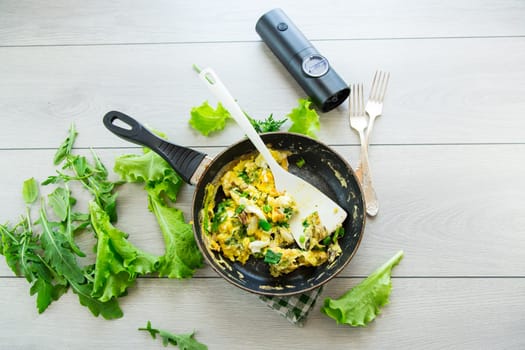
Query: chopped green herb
column 271, row 257
column 288, row 212
column 267, row 125
column 220, row 215
column 327, row 240
column 267, row 208
column 300, row 162
column 244, row 176
column 339, row 232
column 240, row 209
column 265, row 225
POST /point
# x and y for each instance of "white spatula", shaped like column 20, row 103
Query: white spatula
column 308, row 198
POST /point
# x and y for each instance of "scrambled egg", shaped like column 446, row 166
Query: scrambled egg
column 252, row 220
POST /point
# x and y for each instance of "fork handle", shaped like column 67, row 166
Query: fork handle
column 363, row 173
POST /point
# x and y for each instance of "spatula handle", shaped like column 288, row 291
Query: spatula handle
column 210, row 78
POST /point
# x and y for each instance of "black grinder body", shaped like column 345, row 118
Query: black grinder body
column 304, row 62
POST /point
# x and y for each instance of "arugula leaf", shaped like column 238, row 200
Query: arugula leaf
column 20, row 248
column 46, row 292
column 110, row 310
column 183, row 341
column 55, row 252
column 305, row 120
column 361, row 304
column 60, row 202
column 30, row 190
column 94, row 178
column 63, row 261
column 206, row 119
column 118, row 261
column 65, row 148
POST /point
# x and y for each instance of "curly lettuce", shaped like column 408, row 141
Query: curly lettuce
column 118, row 261
column 162, row 183
column 305, row 120
column 207, row 119
column 361, row 304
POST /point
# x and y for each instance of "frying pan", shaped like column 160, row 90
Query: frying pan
column 322, row 167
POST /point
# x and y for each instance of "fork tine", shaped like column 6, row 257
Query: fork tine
column 361, row 99
column 350, row 99
column 386, row 77
column 354, row 99
column 374, row 86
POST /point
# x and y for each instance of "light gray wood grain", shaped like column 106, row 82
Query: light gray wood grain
column 423, row 313
column 100, row 22
column 451, row 208
column 446, row 158
column 441, row 91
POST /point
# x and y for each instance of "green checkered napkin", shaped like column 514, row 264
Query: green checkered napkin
column 294, row 308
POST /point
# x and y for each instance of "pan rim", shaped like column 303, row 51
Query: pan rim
column 273, row 292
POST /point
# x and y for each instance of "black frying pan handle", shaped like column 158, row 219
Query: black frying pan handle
column 184, row 160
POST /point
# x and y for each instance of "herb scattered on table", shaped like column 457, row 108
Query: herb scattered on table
column 183, row 341
column 267, row 125
column 361, row 304
column 304, row 118
column 46, row 254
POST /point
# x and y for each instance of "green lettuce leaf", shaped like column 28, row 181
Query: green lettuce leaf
column 182, row 255
column 118, row 261
column 304, row 119
column 162, row 183
column 361, row 304
column 183, row 341
column 63, row 262
column 206, row 119
column 151, row 169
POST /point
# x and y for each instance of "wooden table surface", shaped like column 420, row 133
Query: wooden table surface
column 447, row 159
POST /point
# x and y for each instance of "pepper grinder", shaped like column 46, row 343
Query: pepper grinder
column 304, row 62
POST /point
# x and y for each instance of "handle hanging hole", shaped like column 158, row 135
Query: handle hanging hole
column 209, row 77
column 119, row 123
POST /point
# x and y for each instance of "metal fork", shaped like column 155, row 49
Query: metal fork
column 374, row 106
column 359, row 122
